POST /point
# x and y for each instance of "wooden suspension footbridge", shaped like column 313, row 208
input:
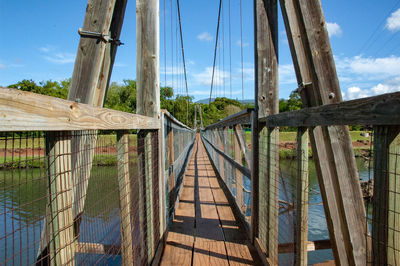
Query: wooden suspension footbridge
column 173, row 195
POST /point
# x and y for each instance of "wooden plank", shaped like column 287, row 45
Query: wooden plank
column 241, row 138
column 309, row 246
column 377, row 110
column 302, row 197
column 95, row 248
column 60, row 220
column 386, row 208
column 125, row 198
column 332, row 149
column 27, row 111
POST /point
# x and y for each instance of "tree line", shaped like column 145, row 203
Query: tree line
column 122, row 97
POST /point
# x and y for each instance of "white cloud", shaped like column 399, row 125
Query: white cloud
column 286, row 74
column 120, row 64
column 242, row 44
column 61, row 58
column 369, row 67
column 53, row 56
column 205, row 36
column 204, row 78
column 381, row 88
column 170, row 71
column 393, row 22
column 333, row 29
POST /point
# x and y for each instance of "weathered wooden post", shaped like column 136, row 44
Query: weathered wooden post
column 201, row 117
column 125, row 198
column 148, row 104
column 238, row 174
column 59, row 216
column 170, row 150
column 221, row 146
column 90, row 79
column 302, row 198
column 386, row 200
column 195, row 117
column 265, row 186
column 318, row 84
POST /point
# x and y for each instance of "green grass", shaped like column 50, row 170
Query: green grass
column 291, row 136
column 39, row 142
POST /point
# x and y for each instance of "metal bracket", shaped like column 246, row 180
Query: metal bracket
column 302, row 86
column 101, row 36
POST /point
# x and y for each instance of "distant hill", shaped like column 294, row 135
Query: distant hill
column 205, row 101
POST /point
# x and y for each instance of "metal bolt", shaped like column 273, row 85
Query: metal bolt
column 331, row 96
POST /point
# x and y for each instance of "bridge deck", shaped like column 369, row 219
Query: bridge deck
column 205, row 230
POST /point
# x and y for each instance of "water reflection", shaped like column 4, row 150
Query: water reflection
column 23, row 204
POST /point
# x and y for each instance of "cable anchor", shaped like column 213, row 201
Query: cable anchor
column 101, row 36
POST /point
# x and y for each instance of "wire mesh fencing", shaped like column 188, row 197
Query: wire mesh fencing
column 178, row 146
column 64, row 195
column 229, row 150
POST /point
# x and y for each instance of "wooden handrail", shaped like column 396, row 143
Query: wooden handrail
column 27, row 111
column 377, row 110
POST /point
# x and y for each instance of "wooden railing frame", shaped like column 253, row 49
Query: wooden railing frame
column 28, row 111
column 378, row 111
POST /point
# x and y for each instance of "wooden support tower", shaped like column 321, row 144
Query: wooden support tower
column 90, row 79
column 319, row 85
column 148, row 104
column 265, row 182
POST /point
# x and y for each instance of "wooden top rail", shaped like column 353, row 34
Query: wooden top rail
column 378, row 110
column 174, row 120
column 235, row 164
column 27, row 111
column 242, row 117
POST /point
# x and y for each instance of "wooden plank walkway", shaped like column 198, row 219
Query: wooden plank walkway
column 205, row 230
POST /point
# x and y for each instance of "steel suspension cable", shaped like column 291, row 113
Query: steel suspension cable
column 215, row 50
column 230, row 49
column 241, row 46
column 184, row 63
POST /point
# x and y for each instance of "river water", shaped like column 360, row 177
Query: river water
column 23, row 201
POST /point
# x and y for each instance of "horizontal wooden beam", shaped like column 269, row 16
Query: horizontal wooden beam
column 242, row 117
column 174, row 120
column 27, row 111
column 378, row 110
column 95, row 248
column 235, row 164
column 311, row 246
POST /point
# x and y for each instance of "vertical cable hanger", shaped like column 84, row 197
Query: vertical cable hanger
column 215, row 50
column 165, row 47
column 230, row 49
column 223, row 47
column 241, row 45
column 184, row 63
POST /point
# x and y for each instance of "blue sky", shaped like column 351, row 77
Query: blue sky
column 39, row 40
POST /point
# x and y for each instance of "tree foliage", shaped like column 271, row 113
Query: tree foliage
column 122, row 97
